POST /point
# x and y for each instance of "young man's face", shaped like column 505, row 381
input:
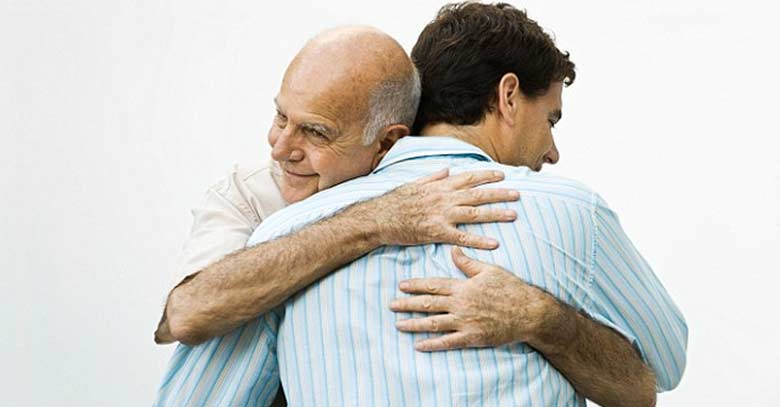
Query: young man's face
column 532, row 143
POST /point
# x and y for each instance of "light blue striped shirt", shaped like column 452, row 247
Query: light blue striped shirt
column 337, row 342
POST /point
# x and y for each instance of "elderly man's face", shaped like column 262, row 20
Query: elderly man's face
column 317, row 136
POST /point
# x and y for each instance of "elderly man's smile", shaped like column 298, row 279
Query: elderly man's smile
column 298, row 176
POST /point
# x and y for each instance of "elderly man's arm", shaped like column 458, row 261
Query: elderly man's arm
column 629, row 314
column 494, row 307
column 250, row 282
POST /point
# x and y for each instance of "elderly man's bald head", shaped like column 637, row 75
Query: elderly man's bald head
column 363, row 73
column 344, row 100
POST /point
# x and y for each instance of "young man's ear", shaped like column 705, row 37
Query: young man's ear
column 509, row 98
column 389, row 136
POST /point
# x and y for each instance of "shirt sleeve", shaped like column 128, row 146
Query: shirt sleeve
column 627, row 296
column 221, row 224
column 237, row 369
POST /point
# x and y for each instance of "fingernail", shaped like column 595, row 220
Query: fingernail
column 403, row 285
column 509, row 213
column 514, row 194
column 393, row 304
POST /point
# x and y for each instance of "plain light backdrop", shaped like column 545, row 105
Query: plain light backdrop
column 115, row 116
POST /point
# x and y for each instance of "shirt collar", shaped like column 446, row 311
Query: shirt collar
column 411, row 147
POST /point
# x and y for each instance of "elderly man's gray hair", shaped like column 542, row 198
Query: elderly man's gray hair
column 393, row 101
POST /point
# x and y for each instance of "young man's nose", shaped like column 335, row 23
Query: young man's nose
column 552, row 155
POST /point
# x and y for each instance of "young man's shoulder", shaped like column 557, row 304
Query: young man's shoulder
column 544, row 184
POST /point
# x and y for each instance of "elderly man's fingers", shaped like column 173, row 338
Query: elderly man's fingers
column 471, row 179
column 467, row 265
column 437, row 286
column 471, row 214
column 461, row 238
column 436, row 176
column 434, row 323
column 421, row 303
column 455, row 340
column 481, row 196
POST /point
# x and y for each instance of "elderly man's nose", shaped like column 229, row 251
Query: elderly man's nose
column 284, row 148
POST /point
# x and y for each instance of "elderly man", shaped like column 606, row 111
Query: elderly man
column 364, row 112
column 350, row 94
column 537, row 321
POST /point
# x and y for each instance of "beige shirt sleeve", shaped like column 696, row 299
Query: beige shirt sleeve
column 231, row 210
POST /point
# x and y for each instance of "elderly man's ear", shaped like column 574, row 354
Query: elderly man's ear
column 387, row 139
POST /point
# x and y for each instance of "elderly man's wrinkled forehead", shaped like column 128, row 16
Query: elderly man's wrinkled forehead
column 337, row 70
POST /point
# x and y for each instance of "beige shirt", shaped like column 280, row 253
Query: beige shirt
column 223, row 223
column 231, row 210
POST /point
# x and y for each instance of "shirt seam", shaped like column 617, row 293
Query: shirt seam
column 594, row 245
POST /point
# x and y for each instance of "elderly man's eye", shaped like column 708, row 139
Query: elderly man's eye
column 552, row 123
column 321, row 136
column 280, row 119
column 315, row 133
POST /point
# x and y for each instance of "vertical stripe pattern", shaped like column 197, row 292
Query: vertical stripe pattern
column 337, row 341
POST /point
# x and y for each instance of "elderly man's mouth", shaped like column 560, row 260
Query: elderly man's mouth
column 297, row 175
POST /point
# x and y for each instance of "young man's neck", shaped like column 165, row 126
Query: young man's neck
column 475, row 135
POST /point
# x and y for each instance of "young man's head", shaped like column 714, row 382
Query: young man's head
column 347, row 96
column 495, row 77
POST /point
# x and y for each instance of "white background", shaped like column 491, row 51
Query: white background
column 115, row 116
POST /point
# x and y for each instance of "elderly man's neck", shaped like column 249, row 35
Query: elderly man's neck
column 478, row 135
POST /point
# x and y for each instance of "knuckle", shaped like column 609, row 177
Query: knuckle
column 437, row 234
column 481, row 334
column 471, row 336
column 434, row 325
column 456, row 320
column 460, row 304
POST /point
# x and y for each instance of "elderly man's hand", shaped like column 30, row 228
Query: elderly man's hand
column 429, row 209
column 491, row 308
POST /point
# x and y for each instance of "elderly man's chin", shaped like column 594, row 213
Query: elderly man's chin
column 296, row 188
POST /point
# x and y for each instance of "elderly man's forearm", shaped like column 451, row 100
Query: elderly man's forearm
column 252, row 281
column 599, row 362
